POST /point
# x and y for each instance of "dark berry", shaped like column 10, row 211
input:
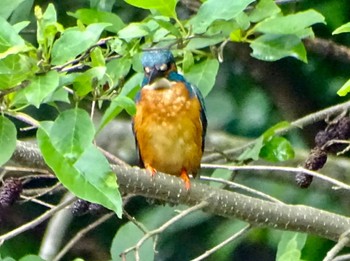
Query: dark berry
column 303, row 180
column 95, row 209
column 343, row 128
column 316, row 160
column 10, row 192
column 80, row 207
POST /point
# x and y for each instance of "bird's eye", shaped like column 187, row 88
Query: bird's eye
column 147, row 70
column 163, row 67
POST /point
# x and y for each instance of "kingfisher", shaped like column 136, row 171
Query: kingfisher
column 170, row 122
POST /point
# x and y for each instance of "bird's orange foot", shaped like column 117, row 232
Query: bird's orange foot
column 151, row 170
column 185, row 178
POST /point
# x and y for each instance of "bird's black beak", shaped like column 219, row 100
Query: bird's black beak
column 154, row 75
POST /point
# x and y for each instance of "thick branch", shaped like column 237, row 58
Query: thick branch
column 221, row 202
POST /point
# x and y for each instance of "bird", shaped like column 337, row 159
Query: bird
column 170, row 123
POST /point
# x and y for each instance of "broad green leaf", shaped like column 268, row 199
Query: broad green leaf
column 72, row 132
column 8, row 6
column 97, row 58
column 132, row 84
column 290, row 24
column 91, row 16
column 117, row 69
column 9, row 37
column 270, row 132
column 20, row 26
column 133, row 30
column 169, row 26
column 277, row 149
column 272, row 47
column 345, row 89
column 117, row 106
column 75, row 41
column 187, row 61
column 164, row 7
column 8, row 136
column 345, row 28
column 97, row 185
column 22, row 12
column 264, row 9
column 14, row 69
column 60, row 95
column 212, row 10
column 203, row 75
column 290, row 246
column 41, row 86
column 31, row 258
column 85, row 82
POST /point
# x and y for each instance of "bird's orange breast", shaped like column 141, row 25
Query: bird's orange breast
column 168, row 129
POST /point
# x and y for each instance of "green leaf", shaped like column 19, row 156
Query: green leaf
column 75, row 41
column 14, row 69
column 41, row 86
column 290, row 246
column 164, row 7
column 117, row 106
column 221, row 174
column 264, row 9
column 67, row 148
column 212, row 10
column 203, row 75
column 8, row 135
column 345, row 28
column 289, row 24
column 8, row 6
column 9, row 38
column 134, row 83
column 105, row 5
column 91, row 16
column 77, row 135
column 117, row 69
column 31, row 258
column 133, row 30
column 20, row 26
column 85, row 82
column 345, row 89
column 277, row 149
column 270, row 132
column 272, row 47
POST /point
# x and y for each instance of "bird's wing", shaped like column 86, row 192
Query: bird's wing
column 203, row 115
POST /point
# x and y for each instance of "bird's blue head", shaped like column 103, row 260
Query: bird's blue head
column 157, row 64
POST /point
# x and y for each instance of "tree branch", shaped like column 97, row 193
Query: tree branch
column 220, row 202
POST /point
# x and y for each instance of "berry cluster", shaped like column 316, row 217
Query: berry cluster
column 82, row 207
column 325, row 142
column 10, row 191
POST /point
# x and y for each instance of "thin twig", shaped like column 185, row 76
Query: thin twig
column 38, row 201
column 242, row 187
column 18, row 87
column 161, row 229
column 35, row 222
column 345, row 257
column 81, row 234
column 299, row 123
column 112, row 158
column 223, row 243
column 279, row 168
column 343, row 241
column 137, row 223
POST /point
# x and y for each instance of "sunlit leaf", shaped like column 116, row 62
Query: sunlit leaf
column 254, row 151
column 31, row 258
column 86, row 81
column 41, row 86
column 117, row 106
column 289, row 24
column 272, row 47
column 117, row 69
column 8, row 137
column 67, row 148
column 277, row 149
column 212, row 10
column 290, row 246
column 8, row 6
column 133, row 30
column 164, row 7
column 75, row 41
column 9, row 37
column 72, row 132
column 345, row 89
column 203, row 75
column 345, row 28
column 91, row 16
column 264, row 9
